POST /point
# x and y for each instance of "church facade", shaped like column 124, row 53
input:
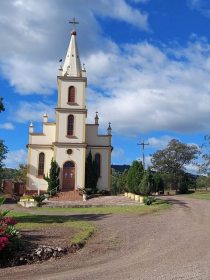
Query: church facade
column 69, row 139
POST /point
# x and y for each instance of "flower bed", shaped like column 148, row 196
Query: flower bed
column 9, row 239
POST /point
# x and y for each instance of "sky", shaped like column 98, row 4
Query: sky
column 147, row 62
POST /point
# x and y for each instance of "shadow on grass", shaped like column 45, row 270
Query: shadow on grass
column 50, row 219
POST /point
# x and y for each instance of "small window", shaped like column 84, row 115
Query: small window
column 41, row 164
column 70, row 126
column 98, row 164
column 71, row 95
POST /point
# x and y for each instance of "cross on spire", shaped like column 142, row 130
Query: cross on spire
column 74, row 22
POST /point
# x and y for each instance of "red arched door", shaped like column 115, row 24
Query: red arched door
column 68, row 176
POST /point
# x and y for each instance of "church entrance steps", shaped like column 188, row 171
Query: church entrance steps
column 93, row 202
column 67, row 196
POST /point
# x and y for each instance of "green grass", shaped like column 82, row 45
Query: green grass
column 159, row 205
column 83, row 229
column 201, row 195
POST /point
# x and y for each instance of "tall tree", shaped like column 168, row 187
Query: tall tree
column 91, row 177
column 145, row 187
column 21, row 172
column 3, row 152
column 1, row 105
column 205, row 148
column 174, row 158
column 134, row 176
column 53, row 177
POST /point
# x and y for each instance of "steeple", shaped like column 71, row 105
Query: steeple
column 72, row 66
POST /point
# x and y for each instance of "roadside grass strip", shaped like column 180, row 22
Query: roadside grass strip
column 83, row 229
column 201, row 195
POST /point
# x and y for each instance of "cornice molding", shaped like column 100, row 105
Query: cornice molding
column 71, row 110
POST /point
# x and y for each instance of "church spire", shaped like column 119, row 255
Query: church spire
column 72, row 66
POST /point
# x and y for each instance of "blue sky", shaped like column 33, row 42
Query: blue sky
column 147, row 61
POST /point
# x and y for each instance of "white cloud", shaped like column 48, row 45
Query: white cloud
column 159, row 143
column 147, row 160
column 192, row 168
column 138, row 87
column 14, row 158
column 7, row 126
column 202, row 6
column 118, row 153
column 34, row 36
column 150, row 89
column 32, row 111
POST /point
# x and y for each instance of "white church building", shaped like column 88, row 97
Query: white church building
column 69, row 139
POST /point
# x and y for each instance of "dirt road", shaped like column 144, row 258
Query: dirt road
column 174, row 244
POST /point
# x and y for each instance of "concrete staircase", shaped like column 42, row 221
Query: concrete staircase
column 74, row 195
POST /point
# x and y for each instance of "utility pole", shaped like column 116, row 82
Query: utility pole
column 143, row 144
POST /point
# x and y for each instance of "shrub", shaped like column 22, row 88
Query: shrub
column 145, row 185
column 39, row 199
column 148, row 200
column 134, row 176
column 8, row 233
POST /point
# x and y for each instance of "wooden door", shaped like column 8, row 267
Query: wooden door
column 68, row 176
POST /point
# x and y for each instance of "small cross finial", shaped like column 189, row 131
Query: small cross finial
column 73, row 22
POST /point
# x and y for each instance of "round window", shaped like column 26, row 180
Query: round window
column 69, row 151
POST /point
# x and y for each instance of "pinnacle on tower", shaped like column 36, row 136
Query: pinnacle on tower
column 72, row 65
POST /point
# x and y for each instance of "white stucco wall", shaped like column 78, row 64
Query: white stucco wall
column 47, row 138
column 94, row 139
column 104, row 180
column 79, row 127
column 63, row 88
column 32, row 176
column 78, row 157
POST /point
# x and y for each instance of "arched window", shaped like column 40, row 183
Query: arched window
column 71, row 95
column 41, row 164
column 98, row 164
column 70, row 126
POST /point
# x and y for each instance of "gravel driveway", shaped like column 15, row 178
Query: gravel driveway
column 174, row 244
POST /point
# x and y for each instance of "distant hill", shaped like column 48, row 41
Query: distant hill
column 120, row 168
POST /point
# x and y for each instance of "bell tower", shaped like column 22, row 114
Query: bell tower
column 70, row 138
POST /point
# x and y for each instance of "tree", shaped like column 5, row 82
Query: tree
column 53, row 178
column 119, row 181
column 3, row 152
column 158, row 182
column 174, row 158
column 145, row 184
column 1, row 105
column 134, row 177
column 203, row 182
column 205, row 147
column 91, row 177
column 21, row 172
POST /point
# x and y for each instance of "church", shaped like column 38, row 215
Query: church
column 69, row 139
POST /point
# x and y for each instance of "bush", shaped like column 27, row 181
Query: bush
column 134, row 176
column 39, row 199
column 148, row 200
column 183, row 188
column 8, row 234
column 145, row 185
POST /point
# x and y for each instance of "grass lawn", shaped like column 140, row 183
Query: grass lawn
column 201, row 195
column 83, row 229
column 159, row 205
